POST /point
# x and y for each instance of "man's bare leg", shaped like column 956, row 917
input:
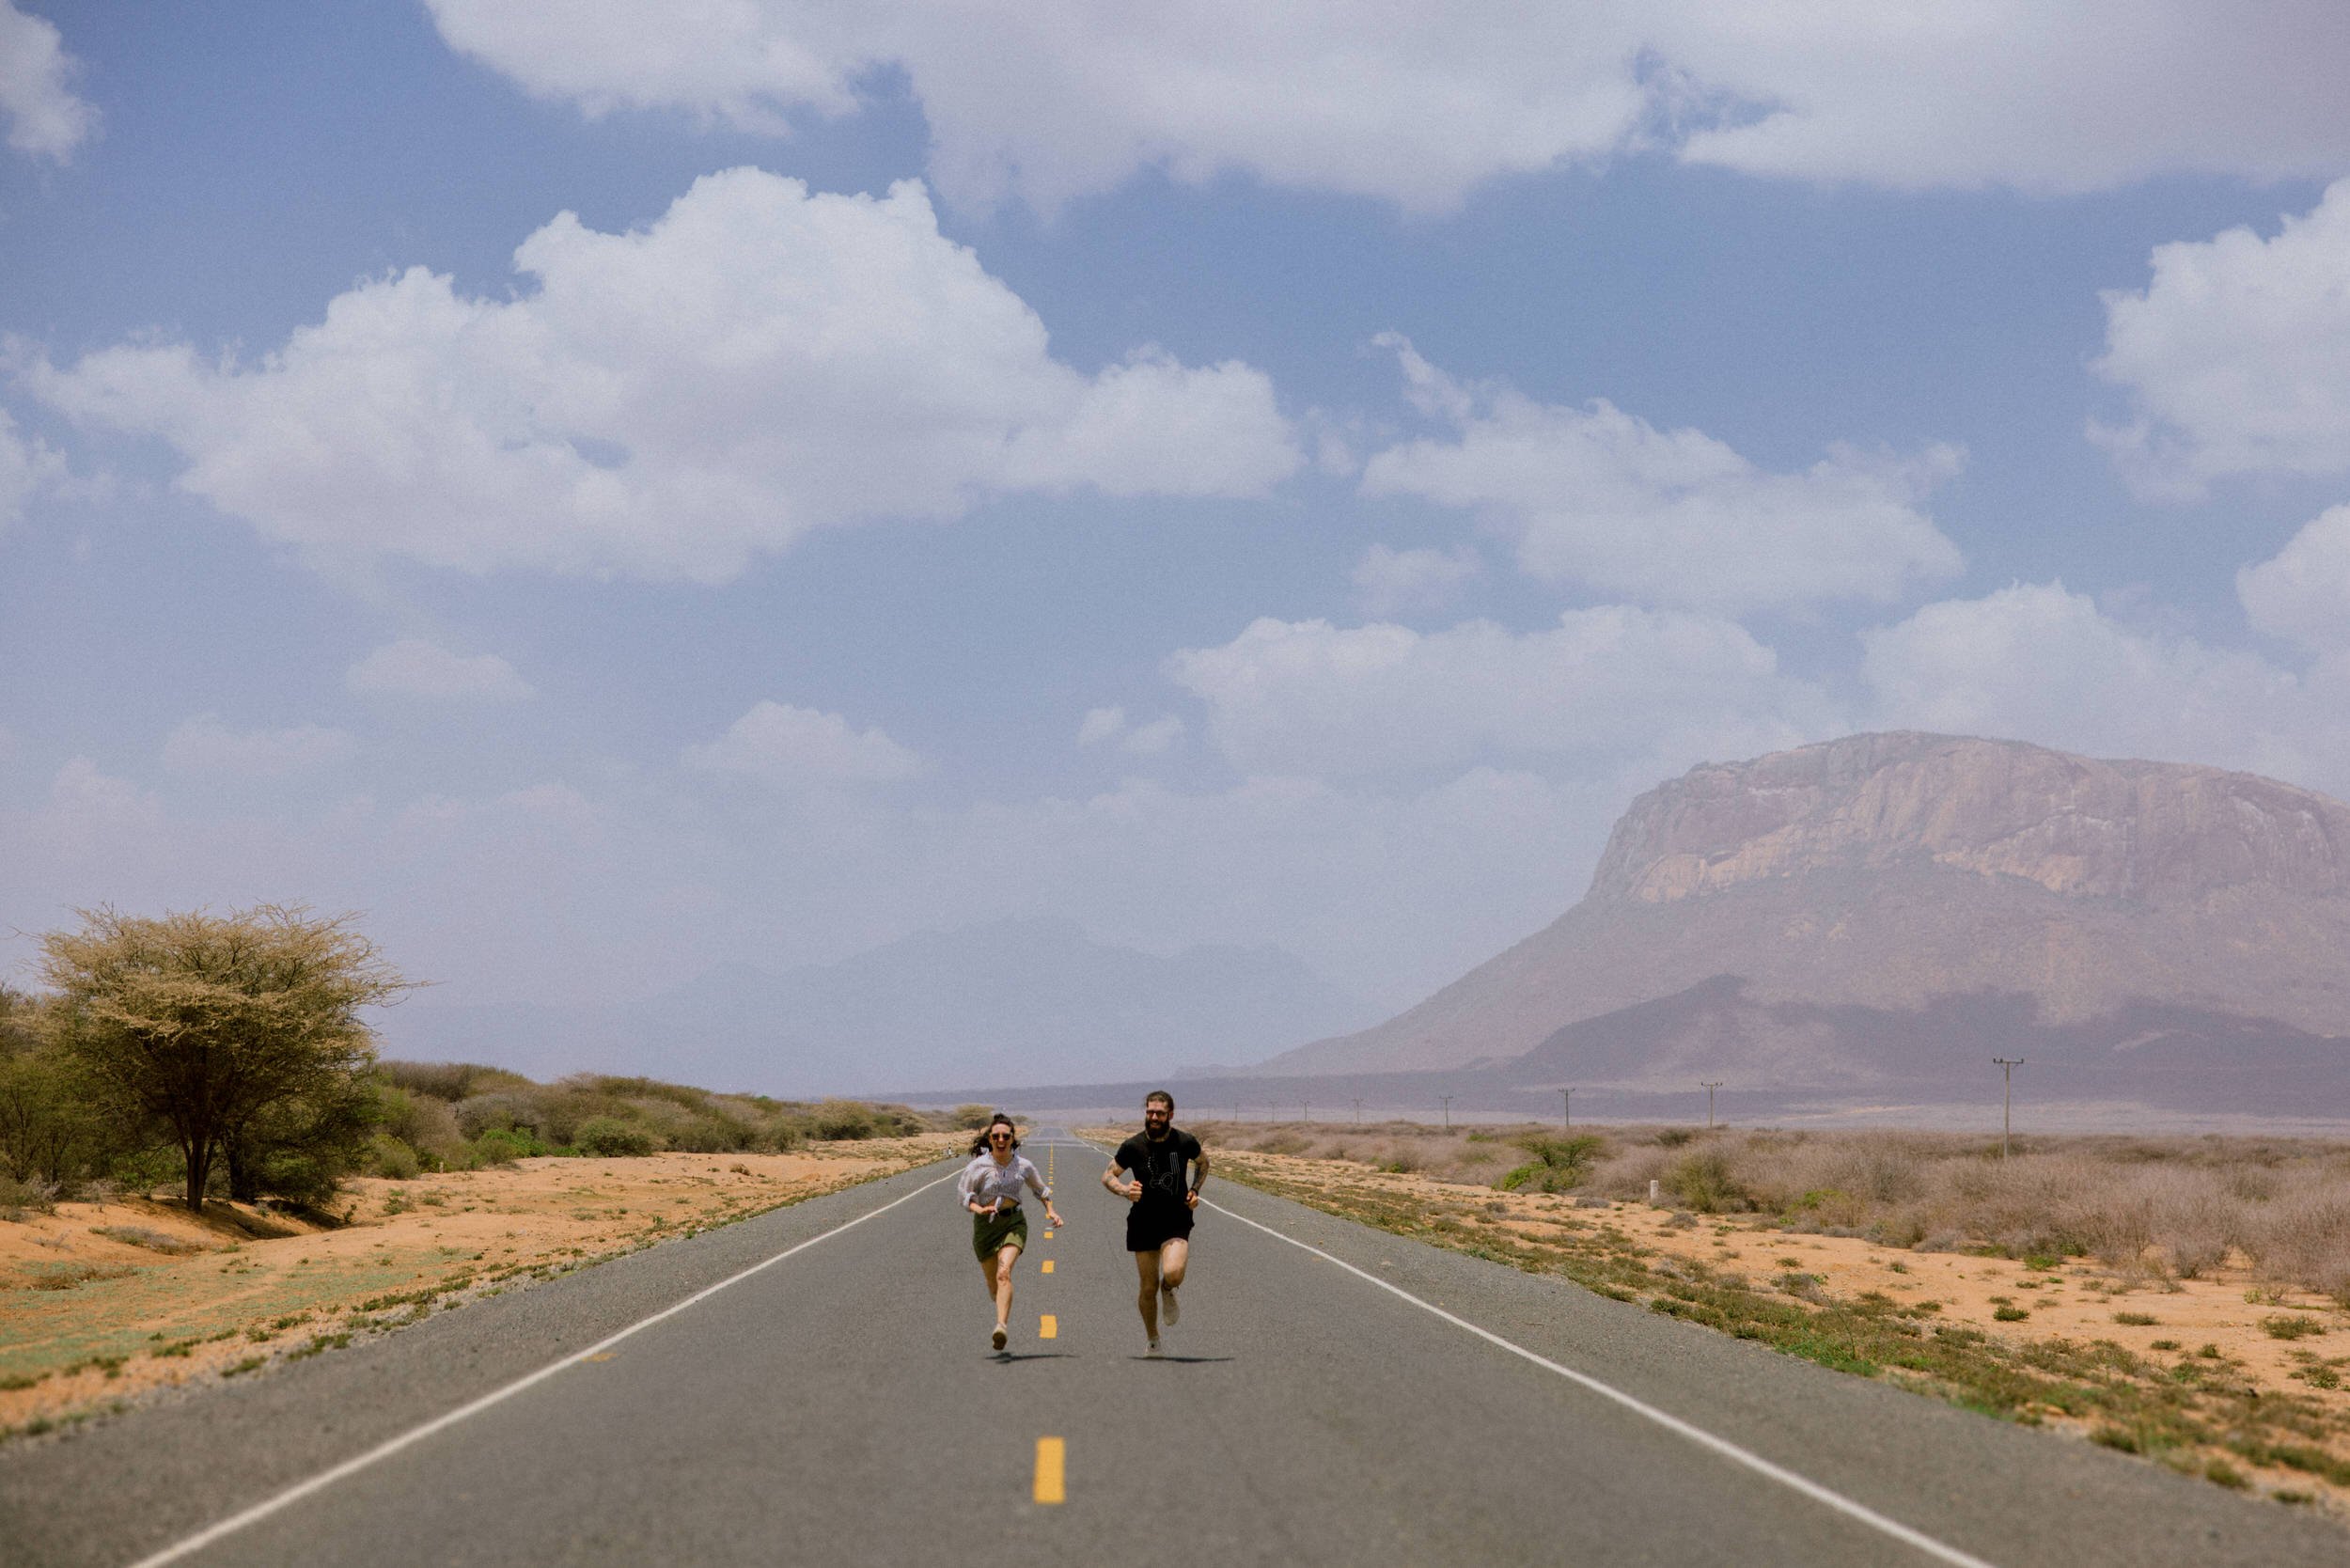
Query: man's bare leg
column 1173, row 1256
column 1172, row 1259
column 1146, row 1272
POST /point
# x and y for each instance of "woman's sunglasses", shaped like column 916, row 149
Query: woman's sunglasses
column 999, row 1137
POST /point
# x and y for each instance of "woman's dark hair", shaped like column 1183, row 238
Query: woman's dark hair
column 978, row 1145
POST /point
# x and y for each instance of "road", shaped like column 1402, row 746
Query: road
column 1373, row 1401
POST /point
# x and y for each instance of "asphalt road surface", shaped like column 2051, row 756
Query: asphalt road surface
column 1373, row 1401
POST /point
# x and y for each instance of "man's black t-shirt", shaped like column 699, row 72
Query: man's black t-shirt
column 1159, row 1167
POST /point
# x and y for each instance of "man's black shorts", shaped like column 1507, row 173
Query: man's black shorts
column 1149, row 1227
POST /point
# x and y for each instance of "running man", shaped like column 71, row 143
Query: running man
column 1158, row 1226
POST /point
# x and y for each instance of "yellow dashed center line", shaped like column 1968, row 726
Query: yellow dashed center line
column 1050, row 1456
column 1048, row 1327
column 1046, row 1265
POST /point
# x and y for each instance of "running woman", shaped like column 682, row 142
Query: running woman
column 991, row 1188
column 1158, row 1226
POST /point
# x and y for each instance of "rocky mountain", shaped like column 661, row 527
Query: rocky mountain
column 1011, row 1002
column 1875, row 910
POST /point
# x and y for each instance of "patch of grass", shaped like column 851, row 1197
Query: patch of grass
column 154, row 1241
column 2287, row 1327
column 65, row 1276
column 2009, row 1314
column 2135, row 1320
column 250, row 1363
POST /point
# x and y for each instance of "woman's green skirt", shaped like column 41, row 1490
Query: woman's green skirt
column 991, row 1232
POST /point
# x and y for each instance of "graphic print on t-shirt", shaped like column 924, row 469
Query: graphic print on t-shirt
column 1160, row 1166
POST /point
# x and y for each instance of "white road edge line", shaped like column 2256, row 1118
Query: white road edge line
column 1696, row 1434
column 324, row 1479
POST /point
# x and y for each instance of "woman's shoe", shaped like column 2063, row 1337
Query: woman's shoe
column 998, row 1338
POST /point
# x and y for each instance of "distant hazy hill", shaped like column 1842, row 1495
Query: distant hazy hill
column 1020, row 1001
column 1882, row 908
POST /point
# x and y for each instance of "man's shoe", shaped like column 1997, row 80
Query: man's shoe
column 1169, row 1312
column 998, row 1338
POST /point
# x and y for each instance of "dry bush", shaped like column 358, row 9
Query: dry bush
column 2140, row 1205
column 2302, row 1237
column 449, row 1080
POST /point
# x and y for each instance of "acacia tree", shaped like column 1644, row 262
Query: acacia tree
column 217, row 1024
column 46, row 1133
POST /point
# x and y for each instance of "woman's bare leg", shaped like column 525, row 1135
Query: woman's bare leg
column 987, row 1272
column 1002, row 1272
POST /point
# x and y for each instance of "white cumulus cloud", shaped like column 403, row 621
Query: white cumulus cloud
column 1598, row 497
column 45, row 118
column 2086, row 95
column 204, row 745
column 2037, row 662
column 1155, row 738
column 2236, row 356
column 776, row 743
column 1101, row 724
column 415, row 666
column 1603, row 687
column 1046, row 99
column 672, row 402
column 2302, row 592
column 1388, row 581
column 26, row 466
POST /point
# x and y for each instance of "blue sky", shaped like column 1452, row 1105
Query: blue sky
column 605, row 496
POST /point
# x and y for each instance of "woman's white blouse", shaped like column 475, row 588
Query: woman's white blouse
column 984, row 1181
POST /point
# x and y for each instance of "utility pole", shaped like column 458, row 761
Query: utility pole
column 1566, row 1108
column 1358, row 1110
column 2007, row 1098
column 1710, row 1088
column 1305, row 1110
column 1236, row 1110
column 1448, row 1111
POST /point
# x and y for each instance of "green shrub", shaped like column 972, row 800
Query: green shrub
column 505, row 1145
column 972, row 1118
column 2283, row 1326
column 1703, row 1182
column 610, row 1136
column 1559, row 1164
column 388, row 1156
column 845, row 1119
